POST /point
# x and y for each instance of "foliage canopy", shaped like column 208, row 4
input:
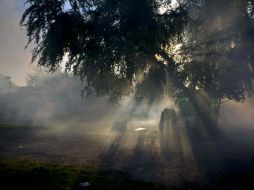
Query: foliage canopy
column 147, row 46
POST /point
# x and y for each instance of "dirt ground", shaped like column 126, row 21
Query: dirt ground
column 183, row 157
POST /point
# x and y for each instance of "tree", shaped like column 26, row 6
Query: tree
column 220, row 47
column 108, row 43
column 121, row 46
column 6, row 84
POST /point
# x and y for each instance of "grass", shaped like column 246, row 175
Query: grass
column 35, row 175
column 11, row 126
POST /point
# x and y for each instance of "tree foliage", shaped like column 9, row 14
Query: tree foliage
column 220, row 49
column 121, row 46
column 108, row 42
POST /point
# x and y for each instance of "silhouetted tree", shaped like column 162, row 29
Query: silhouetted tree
column 148, row 45
column 218, row 51
column 108, row 42
column 6, row 84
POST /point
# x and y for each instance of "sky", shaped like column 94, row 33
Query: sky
column 15, row 60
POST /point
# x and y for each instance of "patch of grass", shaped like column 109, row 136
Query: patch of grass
column 34, row 175
column 12, row 126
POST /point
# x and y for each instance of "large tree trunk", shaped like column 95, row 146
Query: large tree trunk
column 204, row 116
column 169, row 134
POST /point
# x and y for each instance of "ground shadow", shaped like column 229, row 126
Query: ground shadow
column 118, row 131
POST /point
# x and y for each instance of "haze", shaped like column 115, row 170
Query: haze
column 50, row 117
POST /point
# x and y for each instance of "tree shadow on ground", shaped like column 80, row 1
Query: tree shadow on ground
column 118, row 131
column 144, row 159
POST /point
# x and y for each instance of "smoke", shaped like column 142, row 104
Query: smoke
column 125, row 135
column 56, row 99
column 237, row 119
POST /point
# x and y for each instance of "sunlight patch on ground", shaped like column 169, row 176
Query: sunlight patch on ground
column 140, row 129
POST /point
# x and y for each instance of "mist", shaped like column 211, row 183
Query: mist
column 74, row 128
column 155, row 133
